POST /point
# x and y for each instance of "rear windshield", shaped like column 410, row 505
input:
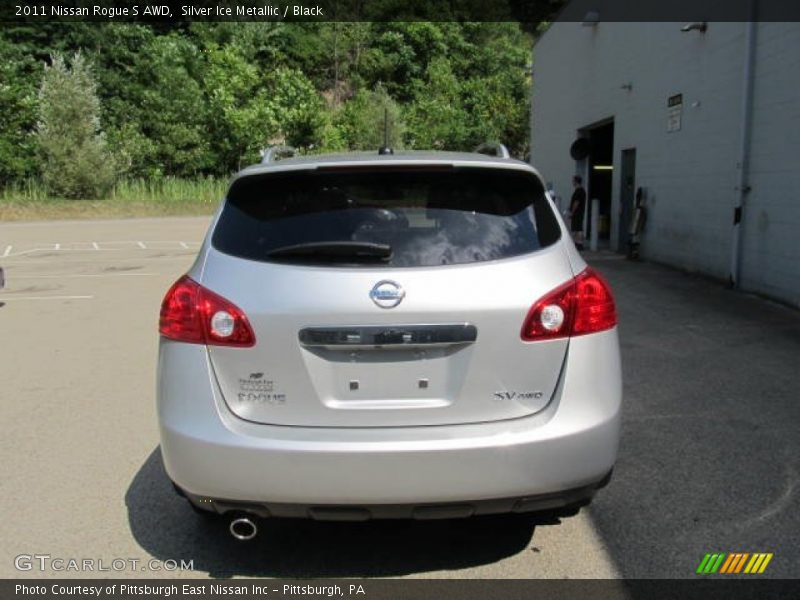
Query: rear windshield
column 388, row 217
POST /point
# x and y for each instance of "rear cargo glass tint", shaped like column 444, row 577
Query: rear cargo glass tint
column 427, row 216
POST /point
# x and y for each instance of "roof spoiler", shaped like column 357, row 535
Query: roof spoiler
column 493, row 149
column 273, row 153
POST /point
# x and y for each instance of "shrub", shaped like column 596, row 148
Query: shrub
column 75, row 159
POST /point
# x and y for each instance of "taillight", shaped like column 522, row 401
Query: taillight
column 580, row 306
column 594, row 304
column 191, row 313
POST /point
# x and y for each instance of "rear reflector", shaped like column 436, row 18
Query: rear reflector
column 580, row 306
column 191, row 313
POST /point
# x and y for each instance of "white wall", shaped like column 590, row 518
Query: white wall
column 771, row 244
column 691, row 174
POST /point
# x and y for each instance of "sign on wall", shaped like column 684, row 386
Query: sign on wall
column 674, row 113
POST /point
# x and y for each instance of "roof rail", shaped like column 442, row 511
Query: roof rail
column 493, row 149
column 272, row 153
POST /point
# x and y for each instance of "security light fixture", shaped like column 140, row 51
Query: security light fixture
column 700, row 26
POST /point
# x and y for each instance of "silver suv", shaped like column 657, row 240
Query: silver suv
column 380, row 336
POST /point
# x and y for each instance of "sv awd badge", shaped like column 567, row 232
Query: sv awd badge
column 518, row 395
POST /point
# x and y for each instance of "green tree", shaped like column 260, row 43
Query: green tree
column 76, row 162
column 297, row 107
column 364, row 119
column 248, row 111
column 19, row 101
column 476, row 92
column 436, row 116
column 186, row 100
column 169, row 109
column 240, row 118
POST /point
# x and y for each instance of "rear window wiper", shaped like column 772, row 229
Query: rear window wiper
column 346, row 251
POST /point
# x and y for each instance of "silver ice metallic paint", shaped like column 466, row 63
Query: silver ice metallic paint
column 429, row 418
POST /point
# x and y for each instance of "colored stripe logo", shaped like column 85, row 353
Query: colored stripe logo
column 733, row 563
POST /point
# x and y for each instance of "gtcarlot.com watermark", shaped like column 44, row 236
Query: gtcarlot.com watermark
column 46, row 562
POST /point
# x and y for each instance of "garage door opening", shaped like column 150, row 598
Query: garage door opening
column 599, row 169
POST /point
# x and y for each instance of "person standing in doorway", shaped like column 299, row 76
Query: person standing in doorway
column 577, row 207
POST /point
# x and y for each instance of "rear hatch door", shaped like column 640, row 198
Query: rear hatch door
column 349, row 333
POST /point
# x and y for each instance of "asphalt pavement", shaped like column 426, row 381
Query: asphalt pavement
column 708, row 459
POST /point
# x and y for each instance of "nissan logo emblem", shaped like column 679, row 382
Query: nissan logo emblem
column 387, row 294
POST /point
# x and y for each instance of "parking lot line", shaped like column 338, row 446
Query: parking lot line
column 7, row 298
column 24, row 261
column 86, row 275
column 104, row 246
column 23, row 252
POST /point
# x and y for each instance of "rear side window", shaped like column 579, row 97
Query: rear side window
column 393, row 217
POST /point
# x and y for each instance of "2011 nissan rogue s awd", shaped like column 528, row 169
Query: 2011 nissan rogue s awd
column 386, row 336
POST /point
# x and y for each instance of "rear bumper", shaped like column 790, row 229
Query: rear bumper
column 556, row 457
column 567, row 499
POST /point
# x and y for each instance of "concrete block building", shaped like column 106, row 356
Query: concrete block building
column 704, row 118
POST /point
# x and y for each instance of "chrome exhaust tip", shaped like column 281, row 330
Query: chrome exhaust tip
column 243, row 528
